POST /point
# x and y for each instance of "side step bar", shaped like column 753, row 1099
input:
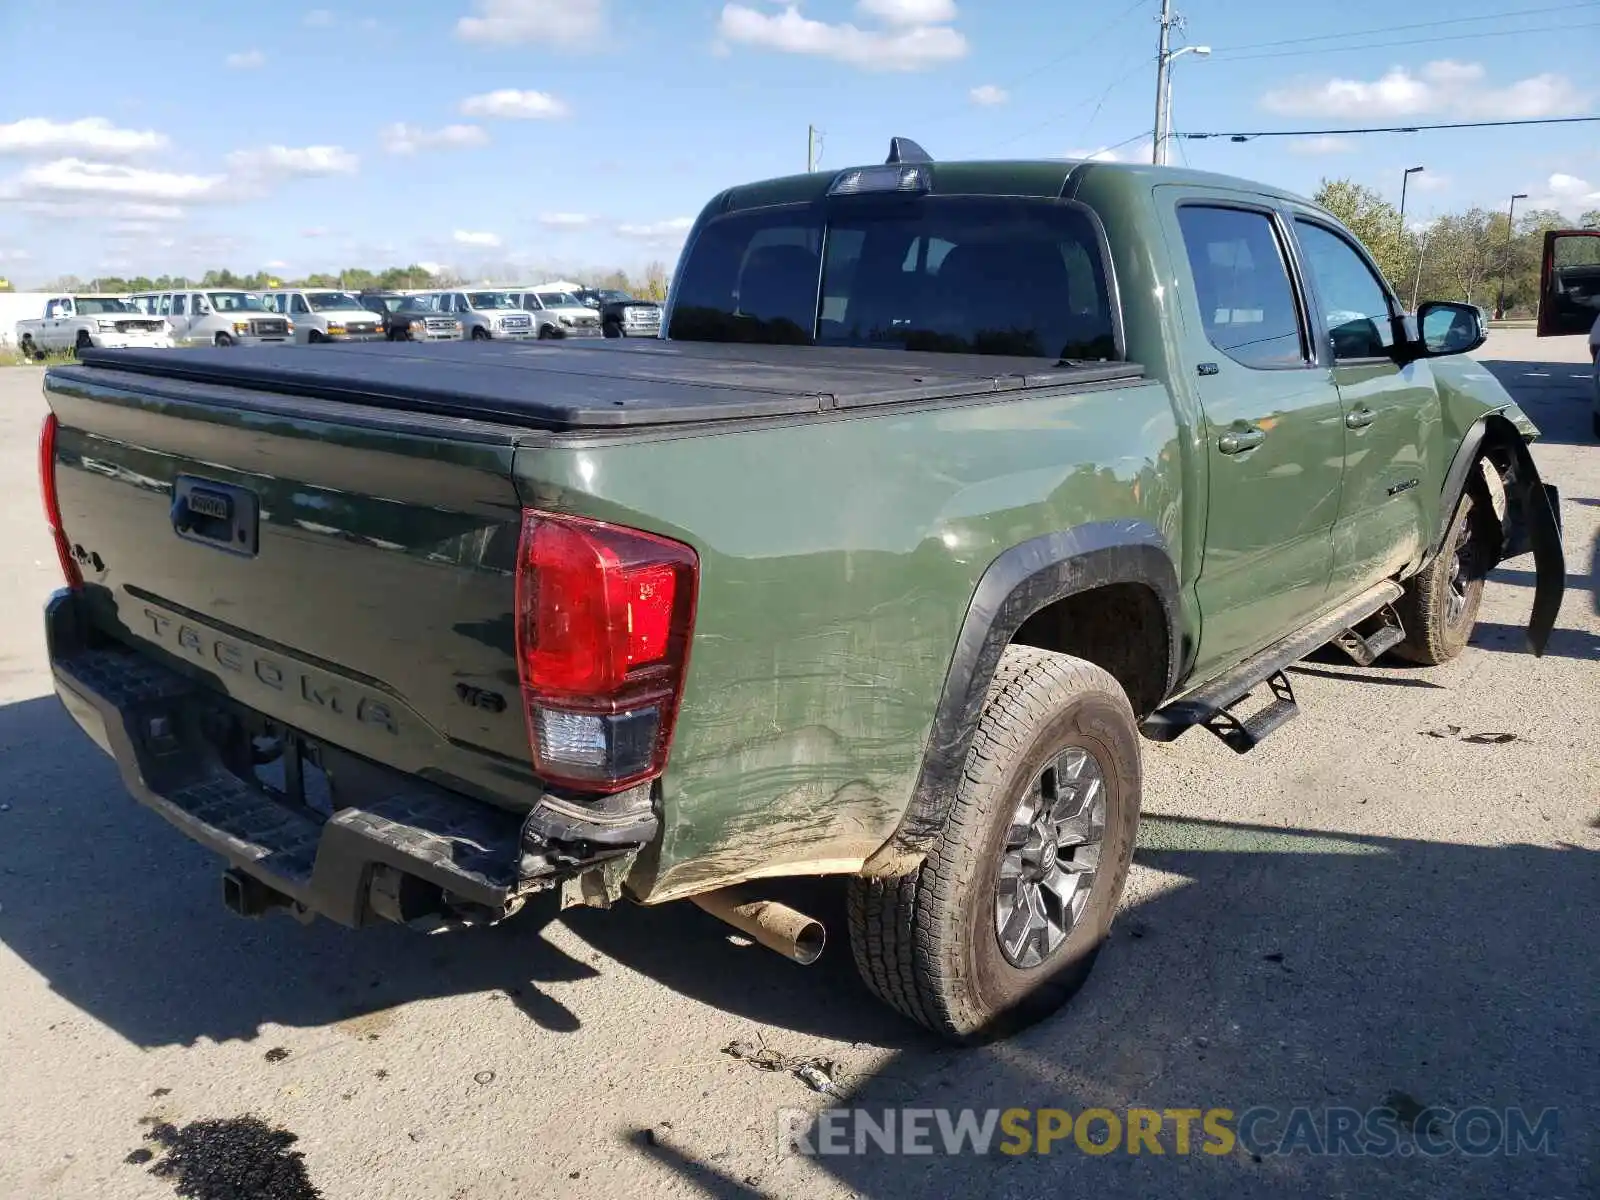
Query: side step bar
column 1209, row 704
column 1369, row 640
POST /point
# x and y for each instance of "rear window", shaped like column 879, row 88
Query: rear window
column 949, row 274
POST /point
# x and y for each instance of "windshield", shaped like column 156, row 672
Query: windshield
column 950, row 274
column 558, row 300
column 237, row 302
column 412, row 304
column 491, row 300
column 615, row 297
column 331, row 301
column 89, row 306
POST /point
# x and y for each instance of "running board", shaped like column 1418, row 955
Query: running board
column 1210, row 703
column 1383, row 633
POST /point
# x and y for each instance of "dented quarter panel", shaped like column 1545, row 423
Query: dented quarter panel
column 837, row 562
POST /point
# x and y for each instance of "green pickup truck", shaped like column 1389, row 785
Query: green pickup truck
column 946, row 484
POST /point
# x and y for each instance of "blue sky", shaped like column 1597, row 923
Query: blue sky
column 149, row 136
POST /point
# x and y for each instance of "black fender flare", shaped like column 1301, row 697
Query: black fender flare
column 1533, row 521
column 1019, row 583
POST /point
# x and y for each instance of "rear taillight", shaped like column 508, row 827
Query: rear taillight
column 604, row 619
column 52, row 504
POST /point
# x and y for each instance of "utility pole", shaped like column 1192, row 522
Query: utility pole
column 1400, row 236
column 811, row 148
column 1163, row 65
column 1505, row 256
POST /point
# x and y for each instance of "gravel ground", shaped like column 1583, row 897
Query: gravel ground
column 1380, row 905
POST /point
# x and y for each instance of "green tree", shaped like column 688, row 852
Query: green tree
column 1372, row 219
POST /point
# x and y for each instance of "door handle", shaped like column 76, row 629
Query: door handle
column 1237, row 441
column 1359, row 418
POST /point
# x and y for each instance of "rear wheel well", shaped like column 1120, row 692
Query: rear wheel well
column 1120, row 627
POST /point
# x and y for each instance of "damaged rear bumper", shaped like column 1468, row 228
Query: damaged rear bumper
column 378, row 844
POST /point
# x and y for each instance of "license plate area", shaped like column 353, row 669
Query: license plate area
column 219, row 515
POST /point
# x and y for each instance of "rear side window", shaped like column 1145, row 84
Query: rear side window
column 1247, row 304
column 960, row 275
column 178, row 302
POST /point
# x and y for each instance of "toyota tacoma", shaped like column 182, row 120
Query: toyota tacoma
column 948, row 483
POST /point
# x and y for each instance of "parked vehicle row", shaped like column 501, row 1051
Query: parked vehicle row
column 234, row 317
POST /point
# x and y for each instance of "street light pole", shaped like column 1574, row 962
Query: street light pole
column 1421, row 254
column 1165, row 139
column 1163, row 65
column 1505, row 256
column 1400, row 239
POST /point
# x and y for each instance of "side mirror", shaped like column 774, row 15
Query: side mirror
column 1449, row 328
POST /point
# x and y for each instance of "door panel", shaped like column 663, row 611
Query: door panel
column 1273, row 427
column 1392, row 423
column 1569, row 282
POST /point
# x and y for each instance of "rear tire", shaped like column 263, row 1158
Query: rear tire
column 1440, row 605
column 84, row 341
column 29, row 350
column 965, row 945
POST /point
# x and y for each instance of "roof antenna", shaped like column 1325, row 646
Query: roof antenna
column 904, row 150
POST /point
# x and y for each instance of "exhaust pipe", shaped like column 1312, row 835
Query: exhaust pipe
column 776, row 926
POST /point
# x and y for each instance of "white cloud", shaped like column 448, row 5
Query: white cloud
column 74, row 177
column 89, row 135
column 988, row 94
column 401, row 138
column 657, row 231
column 134, row 228
column 900, row 48
column 1444, row 87
column 565, row 220
column 1566, row 193
column 518, row 22
column 276, row 264
column 463, row 237
column 247, row 60
column 510, row 103
column 284, row 162
column 434, row 268
column 1321, row 144
column 316, row 231
column 319, row 18
column 14, row 255
column 909, row 12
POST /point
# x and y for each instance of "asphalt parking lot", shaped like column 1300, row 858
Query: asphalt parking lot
column 1391, row 902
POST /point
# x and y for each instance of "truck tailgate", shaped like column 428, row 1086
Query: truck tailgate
column 343, row 570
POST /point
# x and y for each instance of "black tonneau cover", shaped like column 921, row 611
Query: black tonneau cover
column 604, row 384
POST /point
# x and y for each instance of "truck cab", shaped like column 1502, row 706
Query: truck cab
column 325, row 315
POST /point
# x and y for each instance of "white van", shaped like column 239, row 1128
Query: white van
column 217, row 317
column 325, row 315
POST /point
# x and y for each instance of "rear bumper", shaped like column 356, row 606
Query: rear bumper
column 392, row 846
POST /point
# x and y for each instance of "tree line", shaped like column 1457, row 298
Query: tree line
column 651, row 284
column 1461, row 256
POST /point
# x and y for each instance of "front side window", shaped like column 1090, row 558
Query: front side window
column 1242, row 287
column 179, row 303
column 297, row 305
column 1355, row 305
column 952, row 274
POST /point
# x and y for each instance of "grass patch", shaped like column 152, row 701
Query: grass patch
column 12, row 357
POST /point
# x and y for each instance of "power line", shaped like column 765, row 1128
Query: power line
column 1350, row 33
column 1271, row 133
column 1412, row 41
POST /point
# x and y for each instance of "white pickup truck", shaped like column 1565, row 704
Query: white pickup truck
column 73, row 322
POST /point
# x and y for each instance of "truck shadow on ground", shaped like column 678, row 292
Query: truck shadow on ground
column 1286, row 968
column 1270, row 966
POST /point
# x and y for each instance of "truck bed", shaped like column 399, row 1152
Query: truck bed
column 560, row 386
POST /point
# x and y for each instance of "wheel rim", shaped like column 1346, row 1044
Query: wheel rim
column 1460, row 575
column 1050, row 858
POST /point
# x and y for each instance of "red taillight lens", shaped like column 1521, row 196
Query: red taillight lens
column 52, row 505
column 604, row 618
